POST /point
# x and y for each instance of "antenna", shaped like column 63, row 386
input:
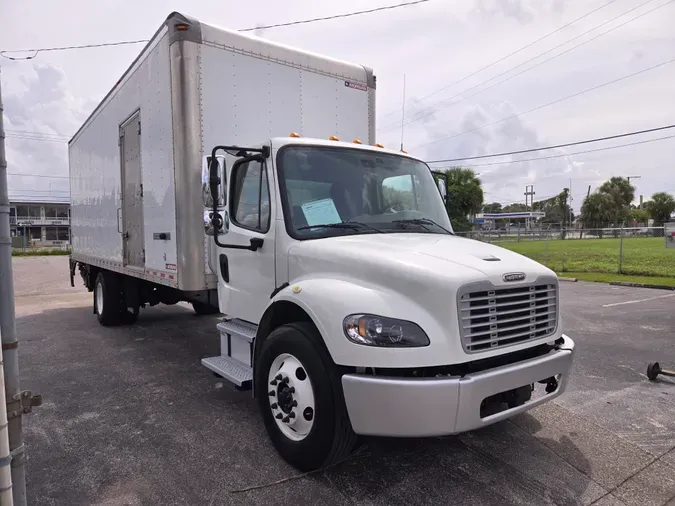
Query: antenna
column 403, row 113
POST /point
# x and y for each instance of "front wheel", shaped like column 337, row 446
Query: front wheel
column 300, row 398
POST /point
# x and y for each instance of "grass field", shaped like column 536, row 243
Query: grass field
column 643, row 256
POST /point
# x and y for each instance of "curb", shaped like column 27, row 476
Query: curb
column 571, row 280
column 642, row 285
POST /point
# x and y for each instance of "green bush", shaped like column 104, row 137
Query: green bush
column 40, row 252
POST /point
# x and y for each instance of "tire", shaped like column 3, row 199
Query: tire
column 327, row 437
column 202, row 308
column 109, row 299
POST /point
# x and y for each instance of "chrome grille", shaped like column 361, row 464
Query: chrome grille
column 497, row 317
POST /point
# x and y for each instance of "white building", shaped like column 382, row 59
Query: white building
column 39, row 222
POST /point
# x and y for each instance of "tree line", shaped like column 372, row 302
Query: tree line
column 610, row 205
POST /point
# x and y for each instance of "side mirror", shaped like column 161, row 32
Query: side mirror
column 208, row 189
column 442, row 189
column 223, row 222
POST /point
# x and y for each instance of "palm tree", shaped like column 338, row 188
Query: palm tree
column 597, row 211
column 661, row 207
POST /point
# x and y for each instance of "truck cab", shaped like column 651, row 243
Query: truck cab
column 352, row 308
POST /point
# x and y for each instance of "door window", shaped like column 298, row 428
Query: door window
column 250, row 202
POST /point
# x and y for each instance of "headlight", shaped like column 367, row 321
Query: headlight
column 374, row 330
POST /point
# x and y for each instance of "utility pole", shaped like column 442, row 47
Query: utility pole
column 529, row 191
column 570, row 202
column 403, row 113
column 17, row 402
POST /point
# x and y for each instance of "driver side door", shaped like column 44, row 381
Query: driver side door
column 247, row 278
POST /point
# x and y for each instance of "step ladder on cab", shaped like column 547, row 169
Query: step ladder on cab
column 235, row 362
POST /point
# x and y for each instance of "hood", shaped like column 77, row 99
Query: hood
column 410, row 257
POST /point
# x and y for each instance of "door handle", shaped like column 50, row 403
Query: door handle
column 119, row 220
column 224, row 267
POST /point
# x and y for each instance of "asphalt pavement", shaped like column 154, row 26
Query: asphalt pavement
column 130, row 417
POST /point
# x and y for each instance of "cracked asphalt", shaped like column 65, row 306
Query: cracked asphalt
column 130, row 417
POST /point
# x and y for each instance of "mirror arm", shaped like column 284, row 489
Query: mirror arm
column 216, row 220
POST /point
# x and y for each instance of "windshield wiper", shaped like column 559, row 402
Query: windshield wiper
column 422, row 222
column 354, row 225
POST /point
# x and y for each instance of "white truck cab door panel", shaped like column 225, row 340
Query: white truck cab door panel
column 246, row 278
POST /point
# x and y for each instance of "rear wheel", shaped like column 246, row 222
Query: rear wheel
column 300, row 398
column 108, row 299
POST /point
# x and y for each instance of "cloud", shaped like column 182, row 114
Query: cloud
column 523, row 11
column 40, row 113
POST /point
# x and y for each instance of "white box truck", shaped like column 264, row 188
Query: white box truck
column 243, row 176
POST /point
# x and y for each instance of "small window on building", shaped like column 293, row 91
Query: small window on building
column 34, row 211
column 36, row 233
column 63, row 234
column 51, row 234
column 22, row 211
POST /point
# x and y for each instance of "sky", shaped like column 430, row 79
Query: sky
column 442, row 47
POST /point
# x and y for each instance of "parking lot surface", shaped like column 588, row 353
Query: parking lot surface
column 130, row 416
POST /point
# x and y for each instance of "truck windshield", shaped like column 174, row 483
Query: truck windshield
column 328, row 191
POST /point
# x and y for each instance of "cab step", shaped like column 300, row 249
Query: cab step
column 230, row 369
column 238, row 329
column 235, row 362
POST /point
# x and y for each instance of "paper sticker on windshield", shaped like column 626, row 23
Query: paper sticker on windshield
column 356, row 86
column 321, row 212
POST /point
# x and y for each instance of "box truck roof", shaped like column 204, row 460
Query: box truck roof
column 181, row 27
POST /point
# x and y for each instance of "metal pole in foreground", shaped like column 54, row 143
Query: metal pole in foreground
column 5, row 454
column 17, row 402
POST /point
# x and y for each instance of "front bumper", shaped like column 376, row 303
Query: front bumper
column 419, row 407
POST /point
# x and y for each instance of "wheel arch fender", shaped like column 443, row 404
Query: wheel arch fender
column 327, row 301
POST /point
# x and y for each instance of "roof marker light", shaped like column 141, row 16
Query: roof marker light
column 356, row 141
column 378, row 145
column 333, row 138
column 294, row 134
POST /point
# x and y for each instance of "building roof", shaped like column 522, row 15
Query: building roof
column 38, row 200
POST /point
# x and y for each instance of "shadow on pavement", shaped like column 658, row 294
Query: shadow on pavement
column 131, row 417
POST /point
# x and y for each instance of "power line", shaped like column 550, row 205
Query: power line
column 28, row 132
column 570, row 154
column 432, row 109
column 552, row 103
column 556, row 146
column 504, row 57
column 264, row 27
column 34, row 138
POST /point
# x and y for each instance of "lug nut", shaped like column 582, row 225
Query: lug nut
column 294, row 404
column 292, row 390
column 279, row 416
column 291, row 414
column 273, row 383
column 278, row 377
column 272, row 393
column 285, row 419
column 285, row 380
column 273, row 406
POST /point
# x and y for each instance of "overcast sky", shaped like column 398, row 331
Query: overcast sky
column 435, row 44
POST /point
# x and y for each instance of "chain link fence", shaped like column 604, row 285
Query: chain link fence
column 639, row 251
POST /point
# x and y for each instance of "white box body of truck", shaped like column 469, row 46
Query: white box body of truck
column 214, row 173
column 136, row 162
